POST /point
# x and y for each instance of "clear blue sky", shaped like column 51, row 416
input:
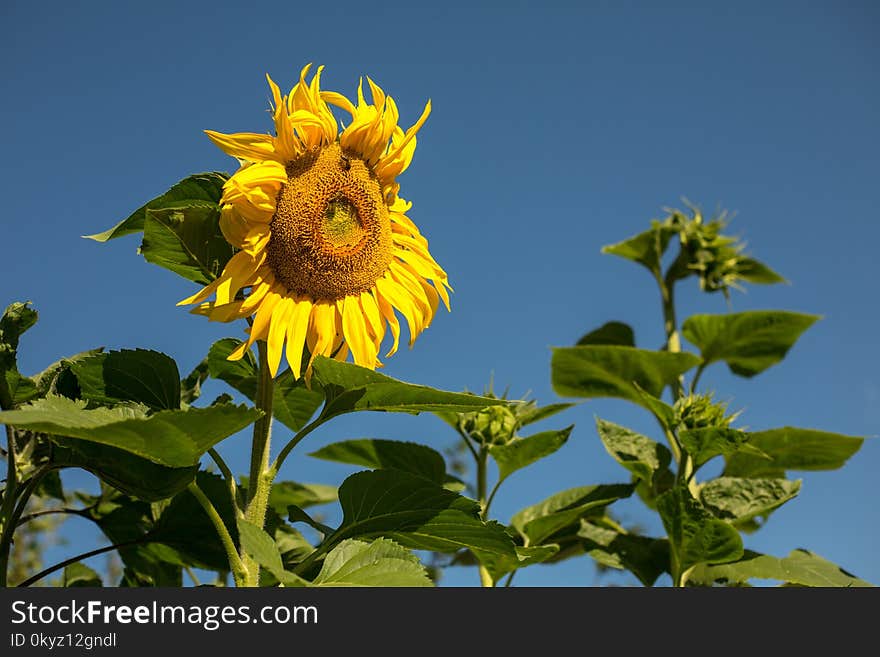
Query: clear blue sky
column 558, row 127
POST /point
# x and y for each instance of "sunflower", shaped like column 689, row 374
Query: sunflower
column 326, row 252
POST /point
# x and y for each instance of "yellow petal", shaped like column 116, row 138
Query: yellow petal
column 297, row 328
column 355, row 331
column 248, row 146
column 388, row 313
column 277, row 332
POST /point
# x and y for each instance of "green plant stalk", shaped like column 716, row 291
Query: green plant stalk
column 8, row 505
column 685, row 464
column 261, row 474
column 482, row 458
column 239, row 572
column 12, row 520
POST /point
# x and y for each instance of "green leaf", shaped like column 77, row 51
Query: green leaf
column 540, row 521
column 611, row 333
column 522, row 452
column 789, row 448
column 137, row 375
column 612, row 371
column 388, row 455
column 749, row 342
column 664, row 413
column 419, row 514
column 200, row 189
column 705, row 444
column 538, row 413
column 646, row 558
column 738, row 500
column 801, row 568
column 171, row 438
column 640, row 455
column 78, row 574
column 753, row 271
column 124, row 519
column 379, row 563
column 185, row 527
column 191, row 386
column 47, row 379
column 14, row 388
column 698, row 536
column 186, row 240
column 646, row 248
column 292, row 403
column 351, row 388
column 124, row 471
column 286, row 493
column 525, row 556
column 260, row 546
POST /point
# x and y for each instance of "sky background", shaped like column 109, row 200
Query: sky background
column 558, row 127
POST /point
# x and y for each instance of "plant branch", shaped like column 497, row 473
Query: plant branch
column 86, row 555
column 234, row 491
column 235, row 562
column 485, row 578
column 48, row 512
column 293, row 442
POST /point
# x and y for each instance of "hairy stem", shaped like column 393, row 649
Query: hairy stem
column 261, row 475
column 235, row 562
column 482, row 458
column 11, row 521
column 8, row 504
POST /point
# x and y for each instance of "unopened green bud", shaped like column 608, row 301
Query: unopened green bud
column 495, row 425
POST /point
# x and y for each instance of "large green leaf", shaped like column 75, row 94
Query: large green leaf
column 705, row 444
column 186, row 240
column 614, row 371
column 749, row 342
column 419, row 514
column 540, row 521
column 351, row 388
column 185, row 527
column 522, row 452
column 789, row 448
column 646, row 558
column 387, row 455
column 124, row 471
column 293, row 404
column 801, row 567
column 379, row 563
column 738, row 500
column 637, row 453
column 137, row 375
column 646, row 248
column 202, row 189
column 171, row 438
column 14, row 388
column 127, row 520
column 47, row 380
column 615, row 333
column 696, row 535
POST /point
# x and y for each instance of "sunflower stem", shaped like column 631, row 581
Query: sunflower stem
column 261, row 474
column 482, row 458
column 8, row 504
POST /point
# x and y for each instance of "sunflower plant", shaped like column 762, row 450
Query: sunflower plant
column 705, row 516
column 310, row 247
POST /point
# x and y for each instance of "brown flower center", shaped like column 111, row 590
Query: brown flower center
column 331, row 234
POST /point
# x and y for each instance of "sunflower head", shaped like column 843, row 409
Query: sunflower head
column 327, row 256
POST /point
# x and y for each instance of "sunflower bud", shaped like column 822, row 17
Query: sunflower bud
column 702, row 412
column 495, row 425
